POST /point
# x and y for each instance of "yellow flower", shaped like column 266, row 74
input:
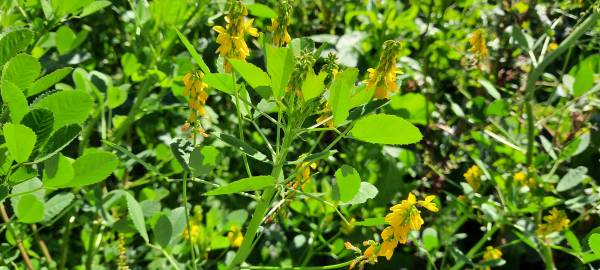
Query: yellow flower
column 383, row 78
column 326, row 114
column 552, row 46
column 491, row 254
column 556, row 221
column 477, row 41
column 235, row 236
column 231, row 37
column 195, row 233
column 427, row 203
column 195, row 91
column 279, row 25
column 522, row 179
column 473, row 177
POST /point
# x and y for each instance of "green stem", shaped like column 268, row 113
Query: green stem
column 187, row 218
column 263, row 205
column 539, row 70
column 240, row 121
column 333, row 266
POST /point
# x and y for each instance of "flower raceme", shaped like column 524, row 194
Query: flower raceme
column 231, row 37
column 195, row 90
column 383, row 78
column 478, row 47
column 404, row 218
column 556, row 221
column 491, row 254
column 279, row 25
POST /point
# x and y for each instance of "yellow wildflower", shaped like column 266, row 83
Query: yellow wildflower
column 195, row 234
column 552, row 46
column 522, row 179
column 303, row 177
column 383, row 78
column 235, row 236
column 473, row 177
column 195, row 90
column 279, row 25
column 326, row 114
column 477, row 41
column 556, row 221
column 231, row 37
column 491, row 254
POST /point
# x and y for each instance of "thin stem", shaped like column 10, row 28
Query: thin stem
column 320, row 200
column 22, row 249
column 187, row 218
column 333, row 266
column 240, row 121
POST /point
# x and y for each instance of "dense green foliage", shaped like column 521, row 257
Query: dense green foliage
column 181, row 134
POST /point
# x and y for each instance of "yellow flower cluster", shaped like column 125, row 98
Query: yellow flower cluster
column 556, row 221
column 303, row 177
column 491, row 254
column 197, row 230
column 195, row 90
column 231, row 37
column 478, row 47
column 522, row 179
column 235, row 236
column 473, row 177
column 279, row 25
column 326, row 114
column 404, row 218
column 383, row 78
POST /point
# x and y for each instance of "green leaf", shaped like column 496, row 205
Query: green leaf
column 220, row 81
column 115, row 96
column 16, row 101
column 572, row 240
column 348, row 182
column 523, row 40
column 130, row 64
column 245, row 184
column 313, row 85
column 182, row 149
column 371, row 222
column 280, row 64
column 94, row 7
column 14, row 41
column 56, row 204
column 202, row 160
column 68, row 107
column 430, row 239
column 365, row 192
column 241, row 146
column 30, row 209
column 193, row 52
column 48, row 80
column 490, row 88
column 58, row 171
column 260, row 10
column 20, row 141
column 59, row 140
column 21, row 70
column 163, row 230
column 412, row 107
column 339, row 94
column 64, row 39
column 584, row 74
column 93, row 167
column 41, row 122
column 572, row 178
column 136, row 214
column 385, row 129
column 253, row 75
column 594, row 242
